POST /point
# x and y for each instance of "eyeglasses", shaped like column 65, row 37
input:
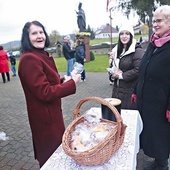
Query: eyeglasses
column 158, row 21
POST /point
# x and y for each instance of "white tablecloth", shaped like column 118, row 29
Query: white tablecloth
column 123, row 159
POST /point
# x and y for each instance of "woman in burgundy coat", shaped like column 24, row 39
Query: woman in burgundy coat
column 43, row 90
column 4, row 65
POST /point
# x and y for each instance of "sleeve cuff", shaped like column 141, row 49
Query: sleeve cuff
column 120, row 76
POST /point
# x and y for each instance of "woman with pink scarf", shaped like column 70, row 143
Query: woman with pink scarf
column 152, row 93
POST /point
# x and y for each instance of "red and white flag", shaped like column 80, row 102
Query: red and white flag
column 107, row 5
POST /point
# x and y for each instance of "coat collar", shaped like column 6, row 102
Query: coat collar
column 131, row 48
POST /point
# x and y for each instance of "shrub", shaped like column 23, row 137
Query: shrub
column 92, row 57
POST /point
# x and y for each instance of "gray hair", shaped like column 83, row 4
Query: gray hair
column 165, row 10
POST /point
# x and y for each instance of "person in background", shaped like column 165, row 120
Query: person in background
column 58, row 47
column 50, row 54
column 4, row 65
column 80, row 57
column 152, row 92
column 140, row 40
column 68, row 54
column 70, row 42
column 13, row 63
column 43, row 88
column 125, row 59
column 72, row 46
column 81, row 39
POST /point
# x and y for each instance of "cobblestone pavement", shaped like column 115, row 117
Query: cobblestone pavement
column 17, row 152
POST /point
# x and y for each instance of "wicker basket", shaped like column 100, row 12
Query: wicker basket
column 105, row 149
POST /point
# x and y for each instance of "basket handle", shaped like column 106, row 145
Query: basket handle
column 102, row 101
column 106, row 103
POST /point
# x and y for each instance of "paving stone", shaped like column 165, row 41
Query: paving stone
column 4, row 161
column 18, row 165
column 11, row 155
column 3, row 153
column 27, row 166
column 6, row 167
column 12, row 162
column 35, row 167
column 17, row 152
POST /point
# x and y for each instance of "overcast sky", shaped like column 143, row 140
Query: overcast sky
column 56, row 15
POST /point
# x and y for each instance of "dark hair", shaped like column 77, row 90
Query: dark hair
column 1, row 48
column 78, row 42
column 25, row 40
column 121, row 46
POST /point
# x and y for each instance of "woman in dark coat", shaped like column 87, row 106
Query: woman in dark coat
column 43, row 90
column 125, row 59
column 153, row 92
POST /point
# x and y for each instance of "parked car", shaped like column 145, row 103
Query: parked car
column 15, row 53
column 103, row 45
column 144, row 39
column 51, row 50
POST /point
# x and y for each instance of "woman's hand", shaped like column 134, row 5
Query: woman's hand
column 76, row 77
column 116, row 73
column 66, row 78
column 168, row 115
column 133, row 98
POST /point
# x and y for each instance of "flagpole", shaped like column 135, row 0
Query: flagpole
column 110, row 27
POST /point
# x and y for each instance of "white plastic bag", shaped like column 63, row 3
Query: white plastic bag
column 3, row 136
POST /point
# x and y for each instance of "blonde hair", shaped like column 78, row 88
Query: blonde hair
column 165, row 10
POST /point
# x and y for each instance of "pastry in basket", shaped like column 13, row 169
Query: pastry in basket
column 76, row 144
column 88, row 135
column 98, row 149
column 99, row 128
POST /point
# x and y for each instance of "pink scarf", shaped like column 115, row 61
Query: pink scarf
column 160, row 41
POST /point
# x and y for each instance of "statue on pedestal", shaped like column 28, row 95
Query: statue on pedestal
column 81, row 18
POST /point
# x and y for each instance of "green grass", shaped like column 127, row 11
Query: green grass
column 114, row 39
column 97, row 41
column 100, row 64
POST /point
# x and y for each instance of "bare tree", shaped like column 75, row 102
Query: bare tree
column 143, row 8
column 54, row 37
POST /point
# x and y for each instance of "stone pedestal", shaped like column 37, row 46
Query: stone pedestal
column 86, row 36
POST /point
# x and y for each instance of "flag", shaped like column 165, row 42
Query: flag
column 107, row 5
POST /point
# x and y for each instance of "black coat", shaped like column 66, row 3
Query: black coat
column 67, row 52
column 124, row 88
column 153, row 99
column 12, row 60
column 80, row 53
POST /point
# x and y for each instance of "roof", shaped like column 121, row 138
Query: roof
column 105, row 29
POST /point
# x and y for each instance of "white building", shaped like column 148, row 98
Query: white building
column 105, row 31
